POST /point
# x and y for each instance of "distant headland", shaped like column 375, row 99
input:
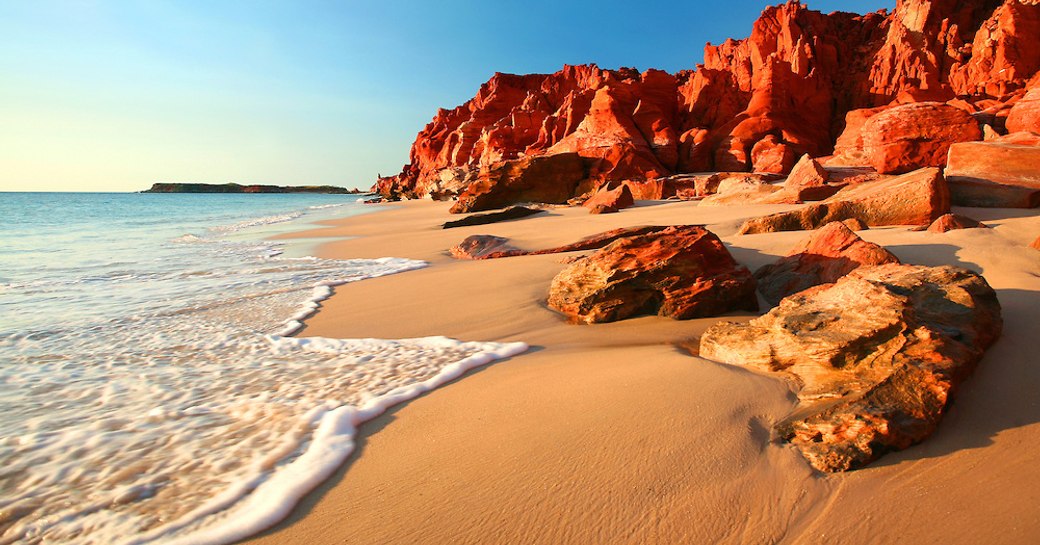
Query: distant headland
column 163, row 187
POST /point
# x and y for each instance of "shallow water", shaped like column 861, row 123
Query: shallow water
column 147, row 390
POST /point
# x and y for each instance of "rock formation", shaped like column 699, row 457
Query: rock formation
column 484, row 247
column 917, row 198
column 540, row 178
column 994, row 174
column 493, row 247
column 610, row 200
column 915, row 135
column 830, row 253
column 876, row 356
column 511, row 213
column 682, row 272
column 952, row 222
column 754, row 104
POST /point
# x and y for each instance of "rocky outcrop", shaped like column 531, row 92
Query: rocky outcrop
column 952, row 222
column 917, row 198
column 682, row 272
column 541, row 178
column 876, row 357
column 994, row 174
column 916, row 135
column 1025, row 114
column 606, row 201
column 511, row 213
column 830, row 253
column 755, row 104
column 808, row 181
column 484, row 247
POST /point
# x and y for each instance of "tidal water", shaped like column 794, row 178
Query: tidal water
column 149, row 388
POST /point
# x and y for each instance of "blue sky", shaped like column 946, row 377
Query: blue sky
column 115, row 95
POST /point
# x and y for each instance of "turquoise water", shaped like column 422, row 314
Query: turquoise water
column 148, row 389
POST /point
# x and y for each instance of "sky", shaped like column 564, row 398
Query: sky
column 115, row 95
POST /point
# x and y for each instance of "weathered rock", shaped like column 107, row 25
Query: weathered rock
column 1024, row 116
column 855, row 224
column 994, row 174
column 541, row 178
column 682, row 272
column 808, row 181
column 830, row 253
column 913, row 136
column 917, row 198
column 951, row 222
column 484, row 247
column 745, row 188
column 500, row 247
column 511, row 213
column 610, row 200
column 876, row 356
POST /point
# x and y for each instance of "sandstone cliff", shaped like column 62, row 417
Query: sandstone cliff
column 755, row 104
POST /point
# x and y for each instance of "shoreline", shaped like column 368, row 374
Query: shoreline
column 612, row 433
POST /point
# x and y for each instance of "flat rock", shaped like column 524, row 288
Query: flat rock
column 916, row 135
column 484, row 247
column 511, row 213
column 830, row 253
column 916, row 198
column 994, row 174
column 875, row 357
column 682, row 272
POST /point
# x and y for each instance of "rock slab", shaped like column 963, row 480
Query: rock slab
column 875, row 356
column 682, row 272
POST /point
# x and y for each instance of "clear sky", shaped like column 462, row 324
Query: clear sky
column 114, row 95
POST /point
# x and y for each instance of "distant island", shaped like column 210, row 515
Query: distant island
column 254, row 188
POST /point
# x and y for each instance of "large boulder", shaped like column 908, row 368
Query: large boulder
column 877, row 356
column 917, row 198
column 1025, row 114
column 916, row 135
column 610, row 200
column 994, row 174
column 830, row 253
column 682, row 272
column 540, row 178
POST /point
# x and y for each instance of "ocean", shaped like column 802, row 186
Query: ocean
column 150, row 391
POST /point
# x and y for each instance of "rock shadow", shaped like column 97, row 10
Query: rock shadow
column 932, row 255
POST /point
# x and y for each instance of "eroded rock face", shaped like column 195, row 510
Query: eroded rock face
column 876, row 356
column 994, row 174
column 756, row 103
column 917, row 135
column 682, row 272
column 830, row 253
column 542, row 178
column 917, row 198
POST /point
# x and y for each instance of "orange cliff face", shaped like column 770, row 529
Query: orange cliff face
column 755, row 104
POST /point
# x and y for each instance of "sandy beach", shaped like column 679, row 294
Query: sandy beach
column 617, row 433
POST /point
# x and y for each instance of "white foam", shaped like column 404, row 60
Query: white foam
column 332, row 443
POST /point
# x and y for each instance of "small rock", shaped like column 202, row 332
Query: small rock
column 950, row 222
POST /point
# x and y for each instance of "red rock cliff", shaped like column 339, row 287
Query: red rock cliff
column 755, row 104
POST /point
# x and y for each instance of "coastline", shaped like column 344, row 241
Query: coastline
column 613, row 433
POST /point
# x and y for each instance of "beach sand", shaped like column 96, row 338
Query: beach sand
column 615, row 433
